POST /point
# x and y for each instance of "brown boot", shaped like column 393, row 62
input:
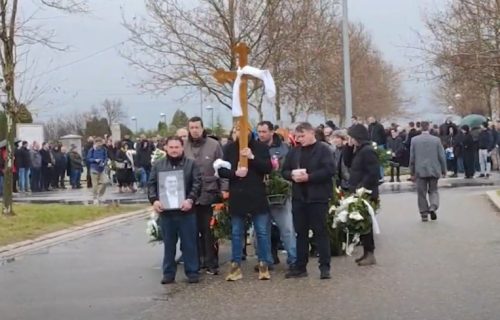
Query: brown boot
column 234, row 272
column 368, row 260
column 264, row 271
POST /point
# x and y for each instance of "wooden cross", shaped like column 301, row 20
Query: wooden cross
column 242, row 50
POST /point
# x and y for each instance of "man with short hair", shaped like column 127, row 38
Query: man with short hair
column 36, row 165
column 47, row 166
column 88, row 146
column 378, row 136
column 311, row 168
column 97, row 158
column 282, row 216
column 427, row 165
column 23, row 164
column 486, row 145
column 204, row 151
column 180, row 219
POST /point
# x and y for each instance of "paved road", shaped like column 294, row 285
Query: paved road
column 438, row 270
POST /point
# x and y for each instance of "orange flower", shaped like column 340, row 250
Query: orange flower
column 213, row 223
column 218, row 207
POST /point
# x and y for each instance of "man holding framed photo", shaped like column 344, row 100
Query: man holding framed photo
column 174, row 186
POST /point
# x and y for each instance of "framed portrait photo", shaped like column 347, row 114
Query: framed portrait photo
column 171, row 189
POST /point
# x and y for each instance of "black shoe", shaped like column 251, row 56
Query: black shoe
column 481, row 176
column 193, row 280
column 325, row 274
column 425, row 218
column 392, row 180
column 433, row 215
column 166, row 280
column 296, row 273
column 212, row 271
column 276, row 260
column 361, row 258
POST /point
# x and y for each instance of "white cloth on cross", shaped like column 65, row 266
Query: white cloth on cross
column 264, row 75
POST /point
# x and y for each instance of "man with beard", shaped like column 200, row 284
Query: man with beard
column 178, row 221
column 282, row 216
column 205, row 151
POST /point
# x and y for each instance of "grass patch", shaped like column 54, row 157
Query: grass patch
column 34, row 220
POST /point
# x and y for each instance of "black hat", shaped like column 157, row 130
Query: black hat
column 359, row 132
column 330, row 124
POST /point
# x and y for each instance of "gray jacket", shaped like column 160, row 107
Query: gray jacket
column 36, row 159
column 204, row 153
column 427, row 157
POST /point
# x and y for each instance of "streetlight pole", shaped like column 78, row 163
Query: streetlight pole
column 347, row 66
column 164, row 117
column 135, row 120
column 211, row 109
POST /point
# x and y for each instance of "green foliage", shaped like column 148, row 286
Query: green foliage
column 24, row 115
column 219, row 129
column 277, row 185
column 384, row 156
column 98, row 127
column 179, row 120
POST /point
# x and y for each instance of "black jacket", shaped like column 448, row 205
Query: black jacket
column 144, row 153
column 364, row 168
column 412, row 134
column 486, row 140
column 321, row 170
column 192, row 178
column 22, row 158
column 377, row 133
column 247, row 195
column 47, row 158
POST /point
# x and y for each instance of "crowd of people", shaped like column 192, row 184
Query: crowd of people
column 312, row 159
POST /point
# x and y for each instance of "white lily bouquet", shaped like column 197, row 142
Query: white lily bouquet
column 157, row 155
column 355, row 214
column 153, row 229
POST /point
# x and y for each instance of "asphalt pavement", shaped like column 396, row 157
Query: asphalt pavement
column 446, row 269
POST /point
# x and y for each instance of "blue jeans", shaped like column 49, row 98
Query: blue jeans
column 183, row 225
column 75, row 178
column 283, row 218
column 261, row 224
column 143, row 177
column 382, row 170
column 24, row 178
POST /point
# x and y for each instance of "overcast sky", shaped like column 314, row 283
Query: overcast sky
column 93, row 70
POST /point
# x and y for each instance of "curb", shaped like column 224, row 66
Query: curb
column 14, row 250
column 494, row 198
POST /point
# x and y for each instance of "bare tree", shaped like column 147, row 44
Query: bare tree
column 14, row 32
column 463, row 54
column 113, row 111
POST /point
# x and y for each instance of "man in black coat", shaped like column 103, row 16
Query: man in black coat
column 363, row 163
column 377, row 132
column 311, row 168
column 177, row 222
column 247, row 196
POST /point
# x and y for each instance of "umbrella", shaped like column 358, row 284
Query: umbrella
column 473, row 120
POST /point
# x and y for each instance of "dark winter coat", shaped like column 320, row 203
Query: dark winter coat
column 321, row 170
column 377, row 133
column 192, row 178
column 143, row 157
column 22, row 158
column 75, row 161
column 364, row 168
column 247, row 195
column 486, row 140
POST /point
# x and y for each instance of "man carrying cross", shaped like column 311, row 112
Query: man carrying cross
column 246, row 162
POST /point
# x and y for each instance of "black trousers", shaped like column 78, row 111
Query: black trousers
column 368, row 242
column 46, row 177
column 89, row 179
column 311, row 216
column 208, row 248
column 469, row 164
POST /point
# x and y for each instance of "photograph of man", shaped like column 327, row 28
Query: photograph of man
column 173, row 189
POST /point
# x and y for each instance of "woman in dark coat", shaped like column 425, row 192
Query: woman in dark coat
column 124, row 169
column 468, row 152
column 396, row 145
column 364, row 166
column 453, row 148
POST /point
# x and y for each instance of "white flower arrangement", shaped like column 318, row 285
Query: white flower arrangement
column 157, row 155
column 153, row 230
column 356, row 216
